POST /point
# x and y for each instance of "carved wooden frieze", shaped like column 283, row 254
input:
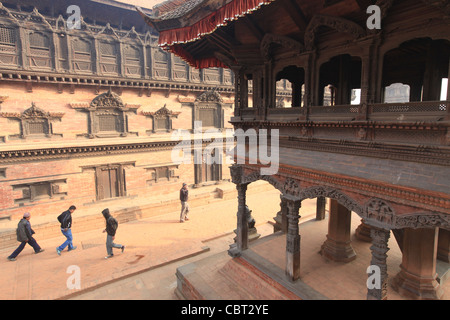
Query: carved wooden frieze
column 287, row 43
column 337, row 23
column 376, row 212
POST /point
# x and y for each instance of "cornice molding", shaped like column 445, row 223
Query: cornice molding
column 57, row 153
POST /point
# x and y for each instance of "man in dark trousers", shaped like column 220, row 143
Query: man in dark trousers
column 24, row 236
column 65, row 219
column 111, row 228
column 184, row 194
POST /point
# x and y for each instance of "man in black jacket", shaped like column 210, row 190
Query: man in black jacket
column 24, row 236
column 111, row 228
column 65, row 219
column 184, row 194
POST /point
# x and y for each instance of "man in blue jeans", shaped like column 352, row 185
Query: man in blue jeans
column 65, row 219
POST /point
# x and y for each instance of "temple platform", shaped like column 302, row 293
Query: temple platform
column 259, row 273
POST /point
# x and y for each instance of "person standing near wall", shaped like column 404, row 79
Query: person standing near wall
column 184, row 195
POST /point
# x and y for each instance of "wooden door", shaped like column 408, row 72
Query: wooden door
column 107, row 183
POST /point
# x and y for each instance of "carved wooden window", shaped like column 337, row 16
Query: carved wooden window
column 162, row 173
column 180, row 69
column 39, row 190
column 162, row 124
column 8, row 46
column 34, row 122
column 7, row 37
column 81, row 52
column 207, row 115
column 162, row 119
column 2, row 172
column 108, row 122
column 132, row 60
column 212, row 75
column 161, row 64
column 107, row 115
column 209, row 109
column 39, row 126
column 108, row 58
column 40, row 55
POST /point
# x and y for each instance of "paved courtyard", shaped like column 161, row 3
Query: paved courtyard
column 157, row 246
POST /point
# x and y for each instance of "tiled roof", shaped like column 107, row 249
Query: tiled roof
column 173, row 9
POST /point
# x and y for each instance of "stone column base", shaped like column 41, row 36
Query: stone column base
column 337, row 251
column 413, row 287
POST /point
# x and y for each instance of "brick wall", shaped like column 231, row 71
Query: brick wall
column 77, row 172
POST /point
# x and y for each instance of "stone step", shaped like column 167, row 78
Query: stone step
column 255, row 283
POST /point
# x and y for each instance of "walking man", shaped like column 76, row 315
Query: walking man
column 184, row 194
column 65, row 219
column 111, row 228
column 24, row 236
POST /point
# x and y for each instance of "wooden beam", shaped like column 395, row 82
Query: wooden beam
column 296, row 14
column 253, row 27
column 364, row 4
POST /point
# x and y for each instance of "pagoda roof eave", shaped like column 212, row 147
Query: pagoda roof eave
column 208, row 16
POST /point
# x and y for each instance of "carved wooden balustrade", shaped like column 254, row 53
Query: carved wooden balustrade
column 430, row 111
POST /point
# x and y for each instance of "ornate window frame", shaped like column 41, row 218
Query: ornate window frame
column 107, row 104
column 34, row 115
column 162, row 114
column 209, row 100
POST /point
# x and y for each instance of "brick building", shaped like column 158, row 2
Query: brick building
column 88, row 114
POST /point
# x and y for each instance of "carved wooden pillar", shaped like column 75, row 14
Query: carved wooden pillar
column 237, row 88
column 293, row 240
column 417, row 278
column 242, row 223
column 320, row 208
column 281, row 218
column 443, row 252
column 338, row 247
column 379, row 248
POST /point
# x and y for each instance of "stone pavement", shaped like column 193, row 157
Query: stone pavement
column 157, row 246
column 149, row 244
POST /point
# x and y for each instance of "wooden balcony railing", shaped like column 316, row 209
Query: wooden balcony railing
column 410, row 111
column 415, row 111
